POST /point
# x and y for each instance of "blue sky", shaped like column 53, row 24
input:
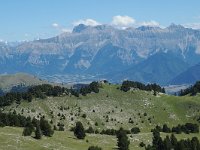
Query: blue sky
column 30, row 19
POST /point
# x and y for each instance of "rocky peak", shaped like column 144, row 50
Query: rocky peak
column 79, row 28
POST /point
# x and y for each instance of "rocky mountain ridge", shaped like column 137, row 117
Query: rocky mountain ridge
column 103, row 50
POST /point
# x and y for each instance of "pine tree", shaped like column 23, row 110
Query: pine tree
column 46, row 127
column 38, row 133
column 154, row 93
column 79, row 131
column 195, row 145
column 157, row 140
column 173, row 140
column 27, row 131
column 123, row 142
column 167, row 143
column 166, row 129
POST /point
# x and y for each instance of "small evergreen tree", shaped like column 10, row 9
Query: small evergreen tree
column 157, row 140
column 61, row 127
column 79, row 131
column 27, row 131
column 167, row 143
column 38, row 133
column 166, row 129
column 154, row 93
column 123, row 142
column 90, row 130
column 195, row 145
column 142, row 144
column 173, row 140
column 135, row 130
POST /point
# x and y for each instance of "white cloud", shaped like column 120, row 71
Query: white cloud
column 88, row 22
column 192, row 25
column 60, row 28
column 122, row 21
column 149, row 23
column 125, row 21
column 55, row 25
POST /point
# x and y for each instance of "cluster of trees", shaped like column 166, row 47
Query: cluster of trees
column 13, row 119
column 193, row 90
column 9, row 98
column 44, row 90
column 186, row 128
column 121, row 134
column 39, row 91
column 123, row 142
column 169, row 143
column 127, row 85
column 41, row 126
column 109, row 132
column 134, row 130
column 91, row 130
column 92, row 87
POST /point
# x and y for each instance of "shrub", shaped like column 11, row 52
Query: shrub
column 84, row 116
column 142, row 144
column 135, row 130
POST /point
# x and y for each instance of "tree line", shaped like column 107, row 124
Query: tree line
column 39, row 91
column 193, row 90
column 171, row 143
column 90, row 130
column 127, row 85
column 44, row 90
column 92, row 87
column 185, row 128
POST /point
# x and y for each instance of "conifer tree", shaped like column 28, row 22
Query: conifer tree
column 79, row 131
column 38, row 133
column 123, row 142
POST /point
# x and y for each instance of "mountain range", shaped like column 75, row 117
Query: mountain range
column 146, row 54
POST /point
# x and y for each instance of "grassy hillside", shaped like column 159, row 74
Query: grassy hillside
column 7, row 82
column 19, row 81
column 110, row 108
column 11, row 138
